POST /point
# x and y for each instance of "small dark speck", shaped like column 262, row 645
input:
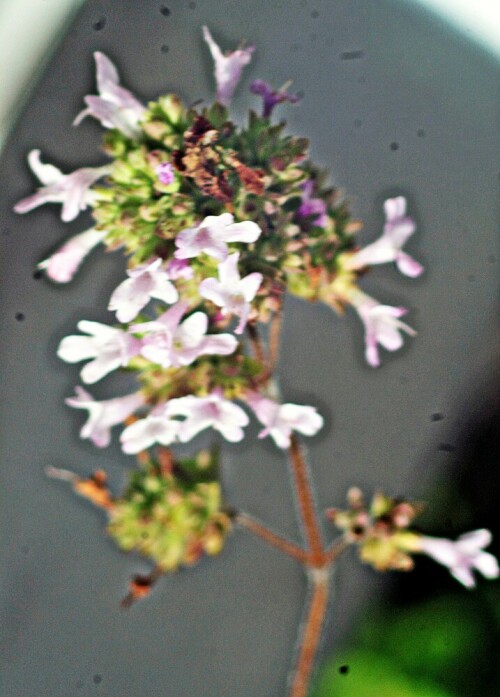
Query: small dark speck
column 351, row 55
column 79, row 684
column 25, row 549
column 97, row 679
column 446, row 448
column 165, row 11
column 421, row 133
column 357, row 123
column 37, row 275
column 192, row 5
column 403, row 380
column 20, row 316
column 295, row 47
column 300, row 94
column 313, row 36
column 315, row 14
column 343, row 670
column 471, row 277
column 437, row 416
column 6, row 231
column 100, row 24
column 361, row 80
column 491, row 258
column 394, row 146
column 165, row 48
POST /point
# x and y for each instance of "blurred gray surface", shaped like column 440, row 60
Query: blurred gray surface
column 228, row 627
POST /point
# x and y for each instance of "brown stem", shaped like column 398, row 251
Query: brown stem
column 336, row 549
column 254, row 337
column 271, row 538
column 305, row 503
column 274, row 339
column 311, row 633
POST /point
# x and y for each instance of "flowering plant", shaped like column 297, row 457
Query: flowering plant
column 218, row 222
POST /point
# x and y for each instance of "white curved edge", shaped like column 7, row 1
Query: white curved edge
column 29, row 33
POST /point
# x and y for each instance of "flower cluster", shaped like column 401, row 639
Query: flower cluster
column 218, row 222
column 381, row 532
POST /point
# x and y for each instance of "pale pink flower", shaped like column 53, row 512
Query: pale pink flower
column 149, row 280
column 179, row 269
column 169, row 342
column 157, row 427
column 464, row 555
column 165, row 173
column 71, row 190
column 228, row 68
column 204, row 412
column 397, row 229
column 115, row 107
column 231, row 292
column 109, row 347
column 382, row 325
column 64, row 263
column 212, row 236
column 281, row 419
column 103, row 415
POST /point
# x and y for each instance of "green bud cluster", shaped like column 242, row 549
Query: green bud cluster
column 172, row 515
column 380, row 529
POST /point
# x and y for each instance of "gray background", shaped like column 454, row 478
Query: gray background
column 228, row 626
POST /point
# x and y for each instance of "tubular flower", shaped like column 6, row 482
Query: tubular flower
column 463, row 556
column 103, row 415
column 382, row 325
column 115, row 107
column 212, row 236
column 397, row 229
column 228, row 68
column 271, row 97
column 231, row 292
column 109, row 347
column 146, row 281
column 204, row 412
column 281, row 419
column 169, row 342
column 157, row 427
column 71, row 190
column 65, row 262
column 312, row 206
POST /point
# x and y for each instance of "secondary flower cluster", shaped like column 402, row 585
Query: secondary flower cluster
column 380, row 530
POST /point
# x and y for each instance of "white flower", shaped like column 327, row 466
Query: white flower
column 382, row 325
column 169, row 342
column 146, row 281
column 72, row 190
column 64, row 263
column 212, row 236
column 103, row 415
column 231, row 292
column 115, row 107
column 464, row 555
column 109, row 347
column 228, row 68
column 281, row 419
column 155, row 428
column 204, row 412
column 397, row 229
